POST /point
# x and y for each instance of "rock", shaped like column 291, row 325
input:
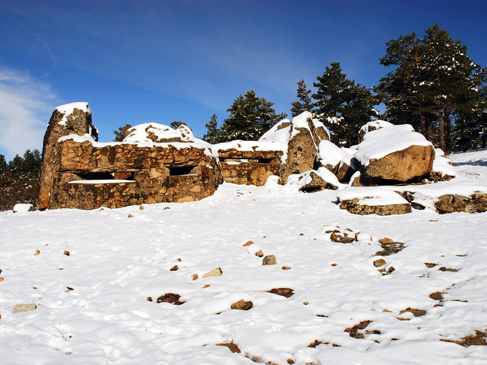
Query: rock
column 170, row 298
column 259, row 253
column 231, row 346
column 37, row 252
column 379, row 263
column 394, row 154
column 174, row 268
column 67, row 253
column 317, row 183
column 336, row 160
column 141, row 208
column 24, row 308
column 286, row 268
column 449, row 203
column 216, row 272
column 390, row 248
column 2, row 279
column 285, row 292
column 269, row 260
column 248, row 243
column 195, row 276
column 365, row 201
column 415, row 312
column 242, row 305
column 386, row 240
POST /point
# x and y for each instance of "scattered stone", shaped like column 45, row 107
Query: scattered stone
column 290, row 361
column 334, row 264
column 170, row 298
column 447, row 269
column 437, row 296
column 206, row 286
column 166, row 208
column 37, row 252
column 195, row 276
column 353, row 331
column 391, row 269
column 342, row 239
column 67, row 253
column 315, row 344
column 259, row 253
column 248, row 243
column 242, row 305
column 149, row 299
column 286, row 268
column 24, row 308
column 69, row 288
column 379, row 263
column 321, row 315
column 141, row 208
column 390, row 248
column 174, row 268
column 471, row 340
column 356, row 206
column 386, row 310
column 285, row 292
column 305, row 303
column 269, row 260
column 130, row 216
column 231, row 346
column 430, row 264
column 386, row 240
column 415, row 312
column 179, row 260
column 216, row 272
column 1, row 278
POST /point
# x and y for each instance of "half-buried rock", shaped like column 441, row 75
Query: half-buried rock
column 364, row 201
column 242, row 305
column 216, row 272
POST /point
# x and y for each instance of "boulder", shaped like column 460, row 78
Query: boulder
column 395, row 154
column 314, row 181
column 301, row 139
column 364, row 201
column 68, row 119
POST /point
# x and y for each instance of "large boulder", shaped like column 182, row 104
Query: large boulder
column 395, row 154
column 68, row 119
column 302, row 137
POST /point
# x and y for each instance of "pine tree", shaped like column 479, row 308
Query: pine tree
column 304, row 96
column 434, row 80
column 250, row 117
column 213, row 133
column 120, row 133
column 342, row 105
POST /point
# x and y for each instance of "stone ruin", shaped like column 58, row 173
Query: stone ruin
column 156, row 163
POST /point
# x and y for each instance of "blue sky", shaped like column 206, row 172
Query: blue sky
column 160, row 61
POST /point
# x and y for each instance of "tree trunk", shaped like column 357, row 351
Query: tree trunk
column 424, row 126
column 442, row 132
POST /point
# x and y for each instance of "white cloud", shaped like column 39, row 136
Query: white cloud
column 25, row 107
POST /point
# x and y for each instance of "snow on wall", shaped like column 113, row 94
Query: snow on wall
column 140, row 133
column 68, row 109
column 384, row 141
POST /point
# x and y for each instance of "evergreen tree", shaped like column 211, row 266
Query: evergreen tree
column 250, row 117
column 120, row 133
column 304, row 102
column 213, row 133
column 342, row 105
column 176, row 124
column 434, row 80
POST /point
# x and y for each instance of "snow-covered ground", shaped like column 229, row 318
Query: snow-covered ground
column 94, row 271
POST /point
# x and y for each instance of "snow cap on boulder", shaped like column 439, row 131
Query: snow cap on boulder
column 395, row 153
column 335, row 159
column 314, row 181
column 158, row 133
column 364, row 201
column 372, row 126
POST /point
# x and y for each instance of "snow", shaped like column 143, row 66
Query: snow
column 377, row 124
column 68, row 109
column 113, row 262
column 379, row 143
column 140, row 133
column 442, row 164
column 331, row 154
column 371, row 196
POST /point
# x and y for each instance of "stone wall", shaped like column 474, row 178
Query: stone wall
column 249, row 167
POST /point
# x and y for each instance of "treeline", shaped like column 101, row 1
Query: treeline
column 19, row 179
column 434, row 85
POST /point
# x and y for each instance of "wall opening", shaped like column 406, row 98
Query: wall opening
column 181, row 170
